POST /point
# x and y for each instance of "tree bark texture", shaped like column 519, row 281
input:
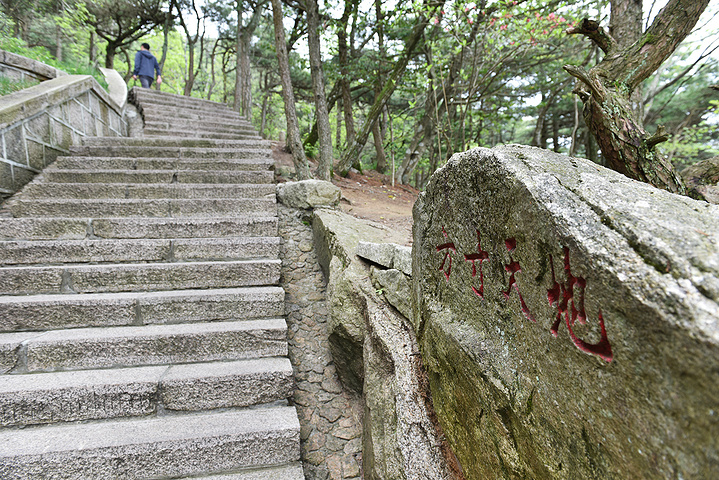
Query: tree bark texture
column 318, row 86
column 343, row 53
column 302, row 170
column 606, row 90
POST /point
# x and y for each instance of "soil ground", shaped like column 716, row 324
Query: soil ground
column 370, row 196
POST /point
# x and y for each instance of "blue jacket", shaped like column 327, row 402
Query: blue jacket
column 146, row 64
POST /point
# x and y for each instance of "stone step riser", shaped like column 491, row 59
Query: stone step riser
column 156, row 176
column 176, row 128
column 160, row 133
column 171, row 143
column 107, row 163
column 133, row 251
column 222, row 125
column 48, row 398
column 137, row 277
column 150, row 100
column 141, row 208
column 116, row 347
column 119, row 191
column 130, row 228
column 48, row 312
column 171, row 152
column 165, row 447
column 195, row 113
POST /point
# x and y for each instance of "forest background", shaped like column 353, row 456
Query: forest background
column 422, row 79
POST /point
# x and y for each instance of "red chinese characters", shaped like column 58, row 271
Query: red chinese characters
column 567, row 297
column 480, row 257
column 513, row 268
column 447, row 260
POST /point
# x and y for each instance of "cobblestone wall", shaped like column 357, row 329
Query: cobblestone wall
column 40, row 123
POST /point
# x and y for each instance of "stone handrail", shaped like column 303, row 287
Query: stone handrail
column 40, row 123
column 21, row 68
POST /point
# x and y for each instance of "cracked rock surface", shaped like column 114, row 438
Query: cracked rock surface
column 568, row 318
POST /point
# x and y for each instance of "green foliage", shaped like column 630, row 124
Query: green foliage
column 41, row 54
column 8, row 86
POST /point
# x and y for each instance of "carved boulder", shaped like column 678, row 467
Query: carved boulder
column 568, row 318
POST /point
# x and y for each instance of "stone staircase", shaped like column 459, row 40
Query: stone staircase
column 142, row 325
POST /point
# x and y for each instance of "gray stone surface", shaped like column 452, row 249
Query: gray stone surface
column 137, row 277
column 36, row 207
column 396, row 288
column 134, row 163
column 116, row 85
column 309, row 194
column 42, row 228
column 85, row 348
column 198, row 369
column 183, row 227
column 376, row 356
column 46, row 312
column 227, row 384
column 160, row 190
column 161, row 447
column 289, row 472
column 388, row 255
column 330, row 416
column 72, row 396
column 546, row 239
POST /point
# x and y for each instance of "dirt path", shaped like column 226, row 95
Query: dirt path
column 370, row 196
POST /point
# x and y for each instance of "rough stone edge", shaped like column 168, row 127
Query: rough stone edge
column 31, row 101
column 417, row 425
column 35, row 68
column 116, row 85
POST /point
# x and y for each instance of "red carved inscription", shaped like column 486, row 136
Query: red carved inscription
column 480, row 257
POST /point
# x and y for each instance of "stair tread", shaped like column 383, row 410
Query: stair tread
column 148, row 437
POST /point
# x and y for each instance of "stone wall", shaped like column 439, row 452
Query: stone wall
column 568, row 318
column 17, row 67
column 40, row 123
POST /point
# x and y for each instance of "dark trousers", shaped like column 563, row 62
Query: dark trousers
column 146, row 81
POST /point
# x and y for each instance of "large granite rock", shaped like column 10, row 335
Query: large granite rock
column 375, row 352
column 307, row 194
column 568, row 318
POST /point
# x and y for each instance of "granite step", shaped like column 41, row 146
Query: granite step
column 144, row 191
column 149, row 97
column 51, row 312
column 170, row 142
column 220, row 152
column 58, row 252
column 47, row 398
column 163, row 132
column 115, row 347
column 137, row 163
column 286, row 472
column 63, row 175
column 158, row 120
column 137, row 277
column 154, row 111
column 105, row 207
column 162, row 447
column 78, row 229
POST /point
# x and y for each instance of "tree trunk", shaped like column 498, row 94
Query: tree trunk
column 243, row 72
column 352, row 154
column 238, row 64
column 343, row 54
column 607, row 88
column 318, row 86
column 166, row 37
column 302, row 170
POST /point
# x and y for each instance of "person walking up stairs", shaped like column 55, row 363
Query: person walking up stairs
column 142, row 330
